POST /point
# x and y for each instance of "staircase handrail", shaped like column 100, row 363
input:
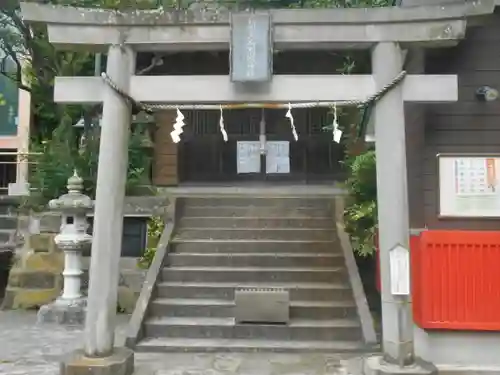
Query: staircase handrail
column 365, row 316
column 135, row 326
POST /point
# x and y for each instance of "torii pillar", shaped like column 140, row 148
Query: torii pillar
column 393, row 218
column 110, row 196
column 99, row 353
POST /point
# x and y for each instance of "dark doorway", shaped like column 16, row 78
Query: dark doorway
column 205, row 157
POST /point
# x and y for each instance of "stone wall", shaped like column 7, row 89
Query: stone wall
column 8, row 234
column 35, row 278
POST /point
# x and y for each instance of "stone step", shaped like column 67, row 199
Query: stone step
column 251, row 211
column 257, row 202
column 252, row 274
column 256, row 260
column 261, row 246
column 255, row 234
column 203, row 327
column 220, row 308
column 165, row 345
column 225, row 290
column 256, row 222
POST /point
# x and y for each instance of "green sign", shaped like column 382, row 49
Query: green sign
column 9, row 104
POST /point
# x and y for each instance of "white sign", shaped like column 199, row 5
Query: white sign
column 34, row 225
column 469, row 186
column 248, row 154
column 278, row 157
column 399, row 263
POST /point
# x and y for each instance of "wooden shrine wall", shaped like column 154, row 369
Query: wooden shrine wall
column 165, row 151
column 454, row 261
column 467, row 126
column 203, row 156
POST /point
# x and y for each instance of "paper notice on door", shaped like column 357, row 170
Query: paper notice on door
column 248, row 155
column 278, row 157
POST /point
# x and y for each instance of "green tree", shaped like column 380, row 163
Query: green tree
column 38, row 62
column 361, row 208
column 54, row 141
column 55, row 160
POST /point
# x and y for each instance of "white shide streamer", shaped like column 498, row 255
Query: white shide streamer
column 292, row 122
column 178, row 125
column 337, row 133
column 221, row 124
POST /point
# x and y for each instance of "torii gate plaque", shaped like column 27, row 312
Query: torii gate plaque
column 251, row 48
column 383, row 30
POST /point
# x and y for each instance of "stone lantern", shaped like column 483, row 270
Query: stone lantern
column 73, row 239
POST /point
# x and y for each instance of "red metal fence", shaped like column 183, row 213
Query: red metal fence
column 456, row 280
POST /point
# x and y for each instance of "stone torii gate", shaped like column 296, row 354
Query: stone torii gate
column 386, row 31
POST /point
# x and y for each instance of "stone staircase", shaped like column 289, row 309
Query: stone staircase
column 8, row 232
column 221, row 244
column 8, row 220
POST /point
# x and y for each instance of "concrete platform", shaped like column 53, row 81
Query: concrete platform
column 328, row 189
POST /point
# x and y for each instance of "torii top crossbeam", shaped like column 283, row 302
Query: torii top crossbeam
column 151, row 30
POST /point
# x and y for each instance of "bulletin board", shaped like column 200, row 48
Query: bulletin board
column 469, row 186
column 248, row 157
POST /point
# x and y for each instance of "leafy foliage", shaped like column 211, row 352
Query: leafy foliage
column 361, row 211
column 38, row 62
column 54, row 141
column 54, row 160
column 155, row 229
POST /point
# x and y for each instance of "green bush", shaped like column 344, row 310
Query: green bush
column 361, row 209
column 53, row 161
column 155, row 229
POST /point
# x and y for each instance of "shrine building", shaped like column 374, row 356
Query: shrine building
column 203, row 157
column 245, row 97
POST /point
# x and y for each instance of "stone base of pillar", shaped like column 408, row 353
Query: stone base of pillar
column 64, row 312
column 375, row 365
column 121, row 362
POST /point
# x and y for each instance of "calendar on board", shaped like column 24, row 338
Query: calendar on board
column 469, row 186
column 475, row 176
